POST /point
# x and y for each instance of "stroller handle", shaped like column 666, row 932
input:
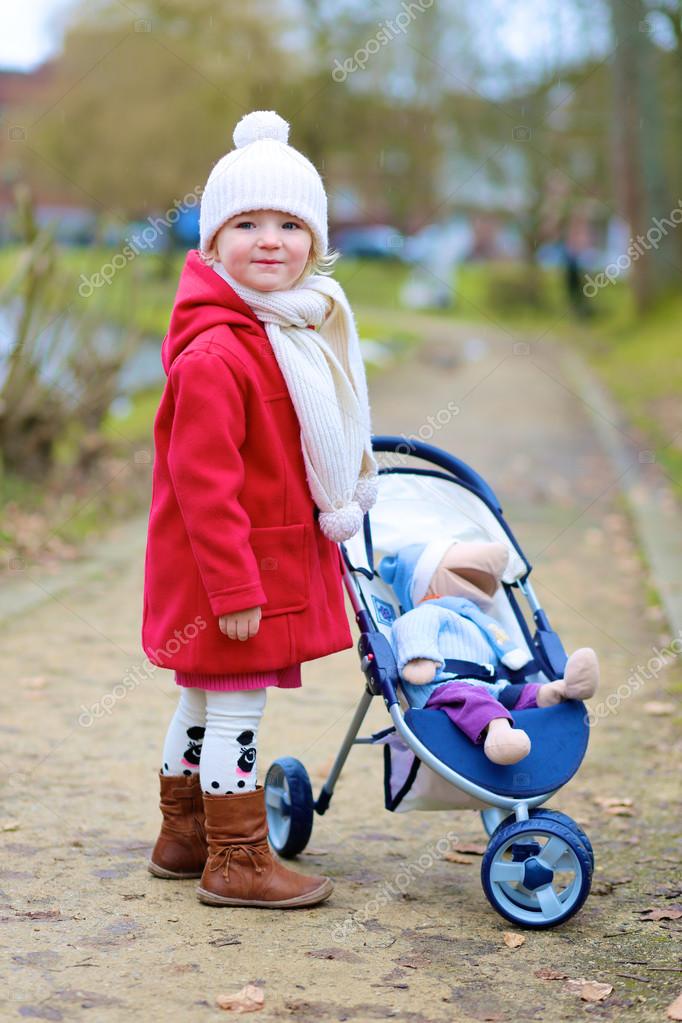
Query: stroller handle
column 397, row 444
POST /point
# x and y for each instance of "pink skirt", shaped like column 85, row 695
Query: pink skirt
column 283, row 678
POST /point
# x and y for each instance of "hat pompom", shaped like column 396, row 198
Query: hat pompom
column 259, row 125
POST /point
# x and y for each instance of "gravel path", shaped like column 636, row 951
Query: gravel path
column 85, row 927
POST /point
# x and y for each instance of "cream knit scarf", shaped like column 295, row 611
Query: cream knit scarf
column 325, row 376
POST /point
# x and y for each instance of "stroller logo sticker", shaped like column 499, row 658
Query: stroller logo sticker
column 385, row 612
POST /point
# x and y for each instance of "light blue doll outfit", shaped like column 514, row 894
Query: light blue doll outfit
column 448, row 627
column 442, row 628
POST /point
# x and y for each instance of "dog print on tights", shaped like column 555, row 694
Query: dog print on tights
column 195, row 736
column 247, row 756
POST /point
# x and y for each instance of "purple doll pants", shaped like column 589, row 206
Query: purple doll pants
column 472, row 708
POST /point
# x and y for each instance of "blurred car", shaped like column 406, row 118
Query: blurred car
column 449, row 242
column 375, row 241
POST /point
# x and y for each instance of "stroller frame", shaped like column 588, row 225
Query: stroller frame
column 538, row 864
column 379, row 667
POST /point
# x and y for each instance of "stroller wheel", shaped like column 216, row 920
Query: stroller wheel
column 536, row 873
column 289, row 806
column 560, row 818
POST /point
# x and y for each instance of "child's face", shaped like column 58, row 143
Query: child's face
column 264, row 249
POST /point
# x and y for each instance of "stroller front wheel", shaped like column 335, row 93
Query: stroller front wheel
column 536, row 873
column 560, row 818
column 289, row 806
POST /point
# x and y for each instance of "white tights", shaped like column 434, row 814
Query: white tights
column 214, row 733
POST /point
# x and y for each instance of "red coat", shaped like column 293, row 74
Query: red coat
column 232, row 524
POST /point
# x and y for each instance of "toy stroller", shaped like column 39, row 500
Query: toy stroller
column 537, row 868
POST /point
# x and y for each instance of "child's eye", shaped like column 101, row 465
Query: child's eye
column 291, row 223
column 244, row 223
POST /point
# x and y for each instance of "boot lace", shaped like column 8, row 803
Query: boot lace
column 222, row 858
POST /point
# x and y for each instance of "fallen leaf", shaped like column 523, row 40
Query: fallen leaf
column 334, row 953
column 9, row 825
column 593, row 991
column 660, row 914
column 249, row 999
column 675, row 1008
column 612, row 801
column 513, row 940
column 590, row 990
column 413, row 962
column 619, row 811
column 311, row 851
column 547, row 973
column 475, row 848
column 658, row 708
column 453, row 857
column 605, row 885
column 34, row 682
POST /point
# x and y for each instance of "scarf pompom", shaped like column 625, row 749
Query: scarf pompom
column 342, row 523
column 366, row 492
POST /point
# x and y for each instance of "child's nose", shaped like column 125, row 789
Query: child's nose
column 269, row 240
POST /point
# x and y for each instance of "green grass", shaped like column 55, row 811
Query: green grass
column 135, row 425
column 640, row 361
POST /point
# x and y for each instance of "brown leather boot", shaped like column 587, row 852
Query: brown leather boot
column 180, row 849
column 241, row 869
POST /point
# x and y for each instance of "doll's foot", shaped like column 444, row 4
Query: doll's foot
column 504, row 744
column 579, row 682
column 420, row 671
column 581, row 676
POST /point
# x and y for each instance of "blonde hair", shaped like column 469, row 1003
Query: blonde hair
column 317, row 262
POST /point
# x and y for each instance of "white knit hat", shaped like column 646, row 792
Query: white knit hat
column 263, row 173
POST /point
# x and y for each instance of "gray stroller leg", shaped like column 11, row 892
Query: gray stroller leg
column 327, row 790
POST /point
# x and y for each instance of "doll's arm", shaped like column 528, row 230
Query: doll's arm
column 416, row 637
column 207, row 471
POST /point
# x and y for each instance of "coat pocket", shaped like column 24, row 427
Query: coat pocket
column 282, row 556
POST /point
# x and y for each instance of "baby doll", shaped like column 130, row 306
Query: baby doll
column 452, row 585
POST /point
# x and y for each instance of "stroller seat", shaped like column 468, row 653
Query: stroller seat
column 557, row 734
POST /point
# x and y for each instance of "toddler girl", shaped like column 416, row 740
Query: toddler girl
column 263, row 462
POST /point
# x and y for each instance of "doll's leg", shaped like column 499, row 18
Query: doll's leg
column 483, row 719
column 182, row 747
column 228, row 757
column 580, row 680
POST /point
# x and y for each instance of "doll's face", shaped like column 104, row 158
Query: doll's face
column 449, row 582
column 264, row 249
column 470, row 570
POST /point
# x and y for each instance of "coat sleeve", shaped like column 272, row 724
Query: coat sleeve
column 207, row 472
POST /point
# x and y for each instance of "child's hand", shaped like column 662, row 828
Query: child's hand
column 241, row 624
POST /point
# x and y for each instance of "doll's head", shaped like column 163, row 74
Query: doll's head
column 446, row 568
column 264, row 201
column 472, row 570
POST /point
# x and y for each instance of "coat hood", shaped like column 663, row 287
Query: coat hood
column 203, row 300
